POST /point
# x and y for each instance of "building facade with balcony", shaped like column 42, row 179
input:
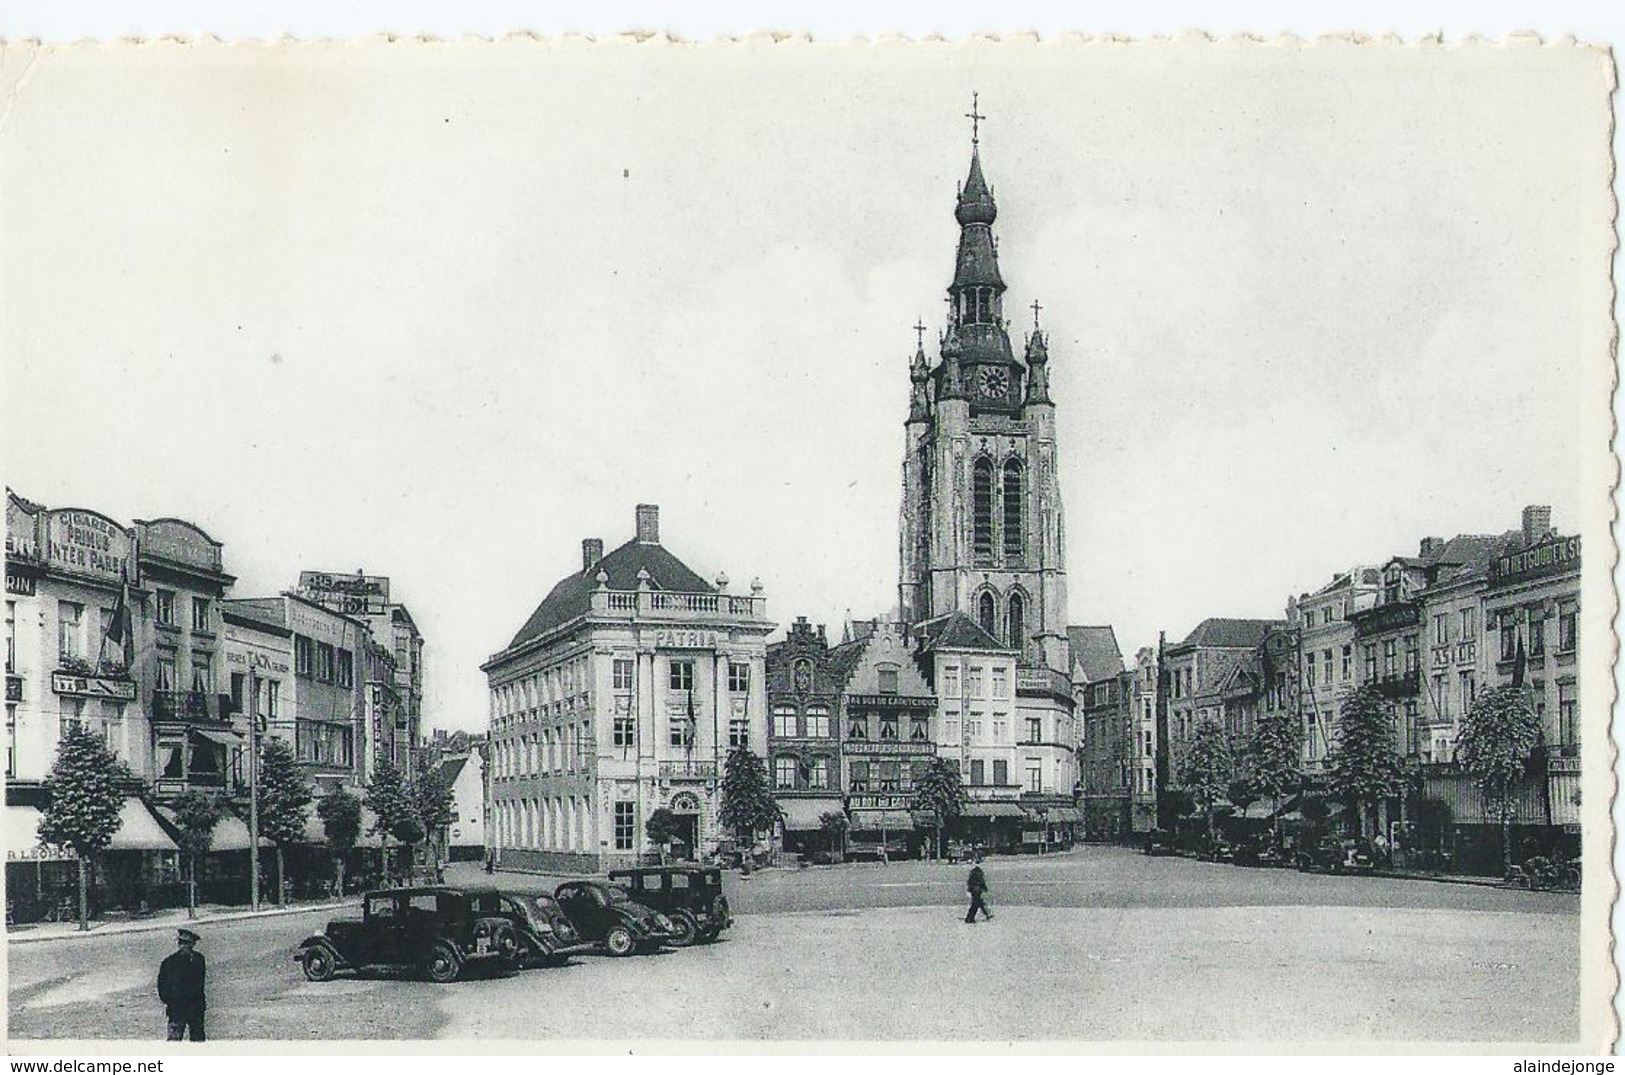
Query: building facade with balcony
column 393, row 667
column 75, row 650
column 623, row 693
column 1532, row 618
column 182, row 668
column 1442, row 580
column 259, row 671
column 1325, row 632
column 322, row 705
column 69, row 575
column 1197, row 670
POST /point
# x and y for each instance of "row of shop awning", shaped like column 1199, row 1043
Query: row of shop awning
column 138, row 831
column 144, row 828
column 806, row 815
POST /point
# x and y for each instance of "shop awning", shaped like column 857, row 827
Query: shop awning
column 806, row 815
column 875, row 820
column 138, row 830
column 225, row 739
column 1258, row 812
column 316, row 832
column 230, row 832
column 22, row 838
column 1053, row 815
column 1004, row 809
column 232, row 835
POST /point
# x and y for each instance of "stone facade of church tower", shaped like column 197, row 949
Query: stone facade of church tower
column 982, row 530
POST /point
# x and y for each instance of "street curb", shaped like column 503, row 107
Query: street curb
column 174, row 923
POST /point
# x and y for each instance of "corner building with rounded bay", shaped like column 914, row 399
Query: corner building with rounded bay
column 622, row 693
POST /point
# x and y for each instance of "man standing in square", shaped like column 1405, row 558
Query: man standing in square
column 180, row 988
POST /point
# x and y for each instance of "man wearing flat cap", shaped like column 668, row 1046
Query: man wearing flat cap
column 180, row 988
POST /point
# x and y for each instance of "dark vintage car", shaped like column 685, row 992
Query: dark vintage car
column 1332, row 855
column 437, row 931
column 547, row 932
column 1160, row 842
column 607, row 916
column 691, row 896
column 1258, row 851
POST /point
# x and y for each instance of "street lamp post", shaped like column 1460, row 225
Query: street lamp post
column 253, row 793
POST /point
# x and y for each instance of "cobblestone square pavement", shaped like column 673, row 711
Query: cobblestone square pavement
column 1098, row 945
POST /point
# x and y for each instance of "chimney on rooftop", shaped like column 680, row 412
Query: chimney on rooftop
column 1430, row 545
column 1537, row 522
column 649, row 524
column 592, row 551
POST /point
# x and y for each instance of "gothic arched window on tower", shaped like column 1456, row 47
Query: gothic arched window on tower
column 982, row 509
column 1014, row 532
column 1015, row 619
column 987, row 614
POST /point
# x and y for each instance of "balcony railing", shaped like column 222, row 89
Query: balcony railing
column 188, row 706
column 693, row 770
column 688, row 605
column 1397, row 684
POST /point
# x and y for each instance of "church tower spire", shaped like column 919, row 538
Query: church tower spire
column 982, row 525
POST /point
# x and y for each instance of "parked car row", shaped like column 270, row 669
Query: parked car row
column 441, row 931
column 1330, row 854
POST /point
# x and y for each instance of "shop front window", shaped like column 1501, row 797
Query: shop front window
column 172, row 759
column 208, row 763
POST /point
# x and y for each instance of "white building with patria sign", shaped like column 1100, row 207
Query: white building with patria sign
column 622, row 693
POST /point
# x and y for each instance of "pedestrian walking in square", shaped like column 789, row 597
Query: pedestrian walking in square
column 180, row 988
column 976, row 885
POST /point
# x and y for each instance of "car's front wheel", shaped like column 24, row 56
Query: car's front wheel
column 620, row 941
column 319, row 964
column 442, row 966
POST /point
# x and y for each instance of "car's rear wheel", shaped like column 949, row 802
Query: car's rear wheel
column 319, row 964
column 442, row 965
column 684, row 930
column 620, row 941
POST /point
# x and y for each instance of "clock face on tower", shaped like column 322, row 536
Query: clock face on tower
column 995, row 382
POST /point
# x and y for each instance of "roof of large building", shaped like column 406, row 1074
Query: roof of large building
column 1095, row 652
column 265, row 610
column 452, row 768
column 571, row 596
column 1217, row 632
column 955, row 630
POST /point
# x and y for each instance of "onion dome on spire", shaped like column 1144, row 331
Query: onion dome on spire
column 975, row 199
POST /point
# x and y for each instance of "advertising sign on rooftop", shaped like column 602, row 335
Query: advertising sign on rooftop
column 350, row 594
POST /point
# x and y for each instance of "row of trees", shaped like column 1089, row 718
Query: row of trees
column 87, row 785
column 1495, row 744
column 748, row 805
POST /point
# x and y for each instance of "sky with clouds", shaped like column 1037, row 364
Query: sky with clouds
column 442, row 311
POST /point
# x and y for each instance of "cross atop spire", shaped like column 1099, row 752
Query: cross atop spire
column 976, row 119
column 1035, row 309
column 919, row 333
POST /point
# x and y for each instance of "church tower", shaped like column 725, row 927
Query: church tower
column 982, row 530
